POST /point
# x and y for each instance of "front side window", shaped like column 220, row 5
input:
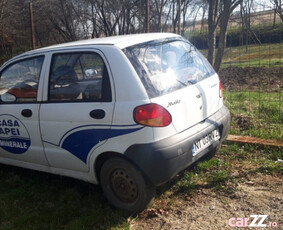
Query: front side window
column 79, row 77
column 19, row 81
column 168, row 65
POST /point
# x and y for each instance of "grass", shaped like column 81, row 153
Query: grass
column 256, row 113
column 264, row 55
column 213, row 174
column 34, row 200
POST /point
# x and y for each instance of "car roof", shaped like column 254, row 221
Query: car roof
column 120, row 41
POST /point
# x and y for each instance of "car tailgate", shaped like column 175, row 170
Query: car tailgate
column 192, row 104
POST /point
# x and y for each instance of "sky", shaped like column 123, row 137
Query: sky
column 259, row 5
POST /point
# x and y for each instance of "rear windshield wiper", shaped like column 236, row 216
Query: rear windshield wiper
column 192, row 82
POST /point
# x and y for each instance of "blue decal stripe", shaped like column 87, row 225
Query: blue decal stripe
column 13, row 137
column 81, row 142
column 94, row 126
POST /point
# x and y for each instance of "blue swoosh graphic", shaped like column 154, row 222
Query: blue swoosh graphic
column 81, row 142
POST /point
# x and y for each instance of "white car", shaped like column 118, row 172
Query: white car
column 128, row 112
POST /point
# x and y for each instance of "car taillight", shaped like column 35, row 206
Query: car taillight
column 220, row 89
column 153, row 115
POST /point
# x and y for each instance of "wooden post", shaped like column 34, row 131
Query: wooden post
column 32, row 26
column 179, row 16
column 147, row 16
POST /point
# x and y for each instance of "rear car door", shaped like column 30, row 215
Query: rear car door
column 77, row 115
column 20, row 137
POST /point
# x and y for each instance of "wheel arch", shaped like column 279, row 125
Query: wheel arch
column 102, row 158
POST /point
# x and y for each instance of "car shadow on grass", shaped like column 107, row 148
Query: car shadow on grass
column 36, row 200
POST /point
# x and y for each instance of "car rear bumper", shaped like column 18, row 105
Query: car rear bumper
column 162, row 160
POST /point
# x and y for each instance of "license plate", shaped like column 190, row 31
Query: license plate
column 205, row 141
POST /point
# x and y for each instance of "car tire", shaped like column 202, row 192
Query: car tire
column 125, row 186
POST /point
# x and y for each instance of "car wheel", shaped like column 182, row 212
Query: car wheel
column 125, row 186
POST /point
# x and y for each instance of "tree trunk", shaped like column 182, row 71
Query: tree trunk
column 211, row 31
column 223, row 23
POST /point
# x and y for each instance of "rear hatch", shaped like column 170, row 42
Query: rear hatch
column 176, row 76
column 192, row 104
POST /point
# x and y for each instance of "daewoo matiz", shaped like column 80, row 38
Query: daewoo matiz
column 127, row 112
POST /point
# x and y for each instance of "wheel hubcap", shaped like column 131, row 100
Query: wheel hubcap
column 123, row 186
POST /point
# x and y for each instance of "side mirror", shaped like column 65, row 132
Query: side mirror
column 8, row 97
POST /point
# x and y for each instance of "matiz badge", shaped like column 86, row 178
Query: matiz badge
column 14, row 136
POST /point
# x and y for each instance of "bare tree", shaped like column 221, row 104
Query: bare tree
column 278, row 7
column 184, row 10
column 16, row 23
column 4, row 47
column 246, row 12
column 159, row 5
column 3, row 4
column 218, row 15
column 64, row 18
column 114, row 17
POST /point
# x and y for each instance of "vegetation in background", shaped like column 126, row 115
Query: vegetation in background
column 256, row 114
column 236, row 36
column 265, row 55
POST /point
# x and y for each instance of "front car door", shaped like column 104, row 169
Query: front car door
column 77, row 115
column 20, row 137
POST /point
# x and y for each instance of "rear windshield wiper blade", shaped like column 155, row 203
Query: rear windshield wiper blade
column 181, row 82
column 192, row 82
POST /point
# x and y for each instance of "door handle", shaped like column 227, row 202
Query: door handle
column 199, row 95
column 97, row 114
column 26, row 113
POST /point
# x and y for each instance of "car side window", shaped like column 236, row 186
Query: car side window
column 19, row 81
column 79, row 76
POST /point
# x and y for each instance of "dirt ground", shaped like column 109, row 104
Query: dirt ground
column 211, row 210
column 206, row 209
column 252, row 78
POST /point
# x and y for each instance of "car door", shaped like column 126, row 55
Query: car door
column 77, row 115
column 20, row 137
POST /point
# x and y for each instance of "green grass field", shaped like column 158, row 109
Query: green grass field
column 256, row 114
column 264, row 55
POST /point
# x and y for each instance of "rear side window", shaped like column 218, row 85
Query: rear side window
column 166, row 66
column 79, row 76
column 19, row 81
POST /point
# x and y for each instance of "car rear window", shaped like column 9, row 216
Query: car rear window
column 168, row 65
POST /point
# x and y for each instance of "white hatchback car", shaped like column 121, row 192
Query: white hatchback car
column 128, row 112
